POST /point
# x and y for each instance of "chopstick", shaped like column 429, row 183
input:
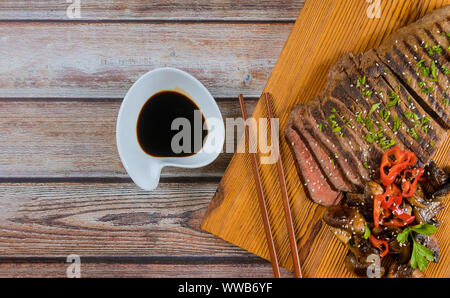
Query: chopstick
column 260, row 193
column 287, row 209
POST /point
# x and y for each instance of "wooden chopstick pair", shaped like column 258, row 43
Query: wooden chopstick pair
column 262, row 202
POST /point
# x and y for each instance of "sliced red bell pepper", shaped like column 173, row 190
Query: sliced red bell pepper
column 382, row 245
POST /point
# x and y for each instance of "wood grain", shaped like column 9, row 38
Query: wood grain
column 203, row 10
column 104, row 59
column 324, row 31
column 108, row 219
column 107, row 270
column 62, row 139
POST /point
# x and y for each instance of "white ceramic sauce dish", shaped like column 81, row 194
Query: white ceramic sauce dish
column 145, row 169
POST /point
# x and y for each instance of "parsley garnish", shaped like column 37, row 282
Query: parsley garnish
column 421, row 255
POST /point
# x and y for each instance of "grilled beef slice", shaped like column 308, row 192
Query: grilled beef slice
column 415, row 130
column 320, row 153
column 314, row 181
column 360, row 89
column 343, row 155
column 428, row 130
column 410, row 53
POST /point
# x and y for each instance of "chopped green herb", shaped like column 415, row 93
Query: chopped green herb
column 413, row 133
column 446, row 102
column 425, row 120
column 395, row 100
column 437, row 49
column 408, row 114
column 359, row 118
column 432, row 144
column 366, row 165
column 374, row 108
column 337, row 129
column 367, row 229
column 361, row 81
column 320, row 126
column 445, row 70
column 397, row 123
column 433, row 71
column 420, row 62
column 385, row 115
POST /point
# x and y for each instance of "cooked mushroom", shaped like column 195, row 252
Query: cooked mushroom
column 442, row 193
column 419, row 198
column 428, row 214
column 404, row 271
column 346, row 218
column 364, row 201
column 342, row 235
column 359, row 268
column 401, row 251
column 435, row 175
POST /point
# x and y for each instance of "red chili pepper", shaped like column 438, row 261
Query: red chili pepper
column 379, row 244
column 402, row 215
column 377, row 210
column 402, row 160
column 392, row 195
column 394, row 162
column 408, row 188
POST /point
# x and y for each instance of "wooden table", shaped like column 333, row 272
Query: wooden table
column 63, row 189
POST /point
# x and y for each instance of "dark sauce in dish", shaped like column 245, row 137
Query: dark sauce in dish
column 155, row 119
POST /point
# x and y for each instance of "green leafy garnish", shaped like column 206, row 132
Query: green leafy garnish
column 361, row 81
column 445, row 70
column 366, row 232
column 366, row 165
column 420, row 254
column 413, row 133
column 433, row 71
column 446, row 102
column 395, row 100
column 373, row 108
column 397, row 123
column 432, row 144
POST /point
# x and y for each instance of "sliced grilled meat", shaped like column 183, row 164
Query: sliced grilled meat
column 321, row 154
column 316, row 185
column 344, row 157
column 423, row 37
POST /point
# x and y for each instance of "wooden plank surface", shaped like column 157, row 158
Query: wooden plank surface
column 324, row 31
column 107, row 220
column 199, row 10
column 72, row 138
column 141, row 270
column 92, row 60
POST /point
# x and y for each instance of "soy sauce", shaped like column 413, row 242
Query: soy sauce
column 155, row 119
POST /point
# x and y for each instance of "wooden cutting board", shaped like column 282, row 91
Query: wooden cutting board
column 324, row 31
